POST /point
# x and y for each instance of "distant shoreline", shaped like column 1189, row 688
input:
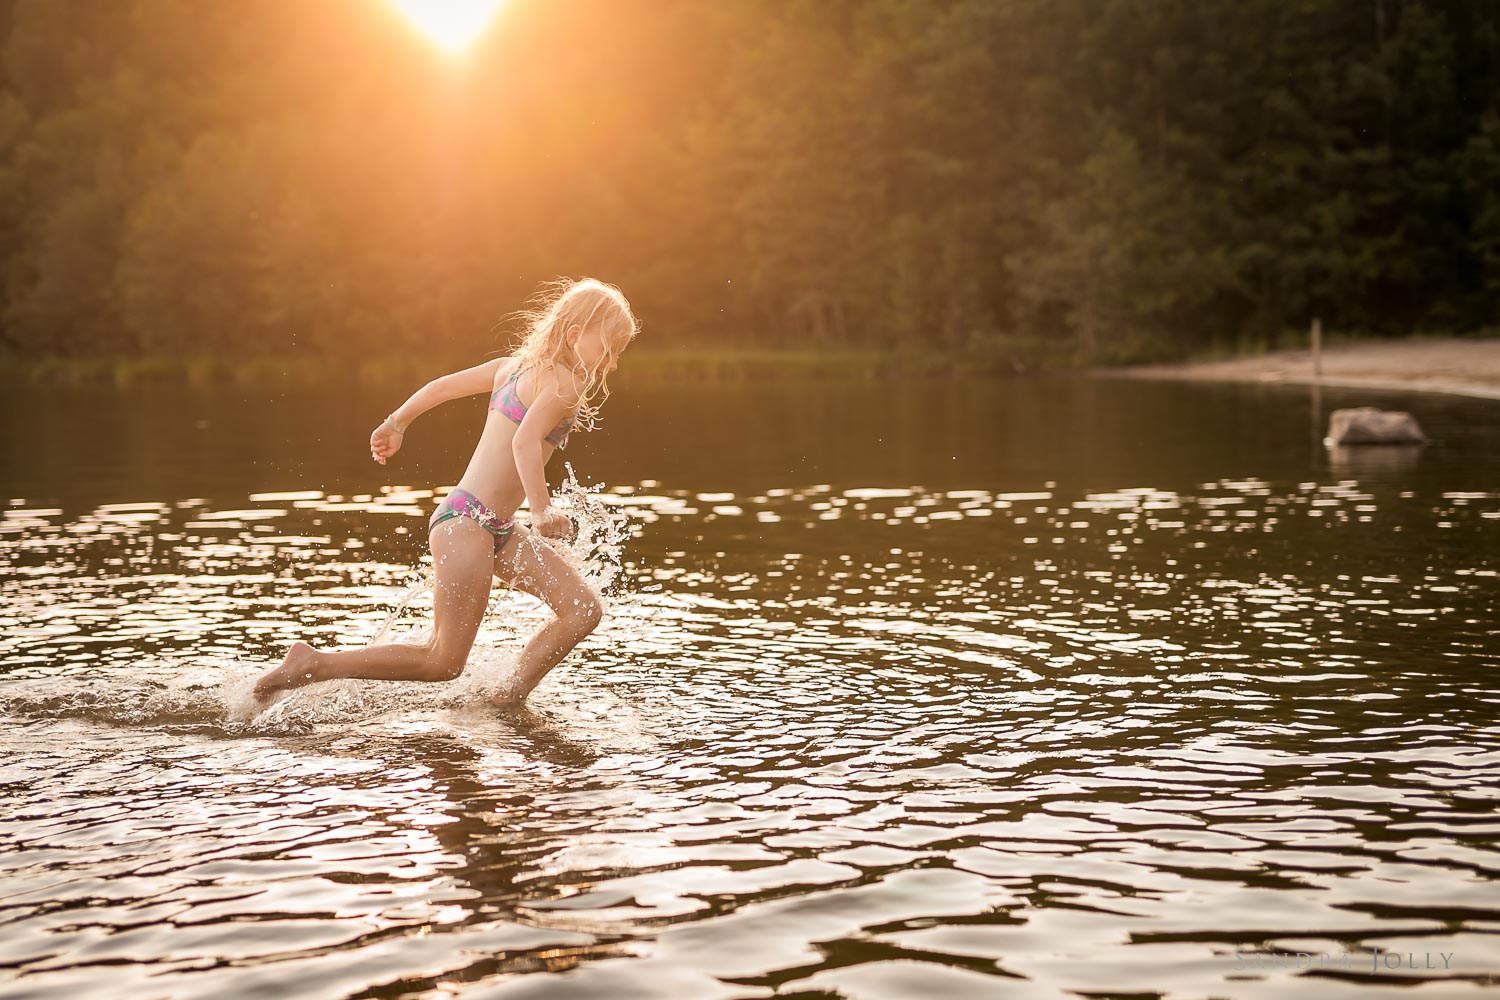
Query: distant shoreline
column 1455, row 365
column 708, row 364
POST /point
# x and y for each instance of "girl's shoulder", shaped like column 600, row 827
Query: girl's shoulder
column 509, row 368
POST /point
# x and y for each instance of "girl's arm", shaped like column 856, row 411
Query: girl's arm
column 386, row 440
column 454, row 385
column 545, row 412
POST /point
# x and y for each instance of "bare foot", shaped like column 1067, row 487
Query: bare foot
column 294, row 672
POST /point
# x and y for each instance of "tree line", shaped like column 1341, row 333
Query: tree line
column 1086, row 180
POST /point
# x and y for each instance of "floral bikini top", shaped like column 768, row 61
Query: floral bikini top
column 508, row 401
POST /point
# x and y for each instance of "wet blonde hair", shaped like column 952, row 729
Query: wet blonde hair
column 559, row 305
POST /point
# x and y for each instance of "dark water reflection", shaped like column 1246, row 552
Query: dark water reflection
column 1027, row 688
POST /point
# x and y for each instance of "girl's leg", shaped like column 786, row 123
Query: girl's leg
column 530, row 564
column 463, row 555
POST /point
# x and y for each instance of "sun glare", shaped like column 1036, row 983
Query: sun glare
column 451, row 24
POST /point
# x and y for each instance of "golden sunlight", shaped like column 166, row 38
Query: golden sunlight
column 452, row 24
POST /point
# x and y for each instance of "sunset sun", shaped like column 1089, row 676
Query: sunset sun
column 451, row 24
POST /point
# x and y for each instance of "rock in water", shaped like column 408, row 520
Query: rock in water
column 1369, row 425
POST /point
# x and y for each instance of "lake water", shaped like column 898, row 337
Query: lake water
column 1017, row 688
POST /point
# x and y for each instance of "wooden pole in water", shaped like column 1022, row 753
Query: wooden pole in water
column 1317, row 386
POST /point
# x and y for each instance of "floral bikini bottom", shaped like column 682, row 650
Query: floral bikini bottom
column 462, row 503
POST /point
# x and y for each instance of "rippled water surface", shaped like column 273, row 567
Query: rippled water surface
column 1035, row 687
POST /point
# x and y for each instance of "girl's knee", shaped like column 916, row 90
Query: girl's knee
column 444, row 663
column 585, row 613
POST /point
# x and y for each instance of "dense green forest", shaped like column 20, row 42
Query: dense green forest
column 1081, row 180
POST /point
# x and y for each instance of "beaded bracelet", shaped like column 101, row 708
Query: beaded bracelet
column 395, row 426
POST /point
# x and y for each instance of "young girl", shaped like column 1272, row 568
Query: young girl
column 538, row 394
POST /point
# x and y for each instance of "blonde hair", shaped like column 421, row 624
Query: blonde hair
column 557, row 307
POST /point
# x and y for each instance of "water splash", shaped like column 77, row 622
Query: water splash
column 596, row 550
column 417, row 588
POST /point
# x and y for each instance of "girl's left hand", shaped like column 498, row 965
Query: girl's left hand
column 385, row 442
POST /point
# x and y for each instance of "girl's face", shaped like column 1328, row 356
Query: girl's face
column 597, row 354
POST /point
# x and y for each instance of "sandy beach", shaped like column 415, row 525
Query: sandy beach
column 1468, row 367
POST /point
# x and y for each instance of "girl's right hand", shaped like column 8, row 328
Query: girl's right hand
column 385, row 442
column 553, row 523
